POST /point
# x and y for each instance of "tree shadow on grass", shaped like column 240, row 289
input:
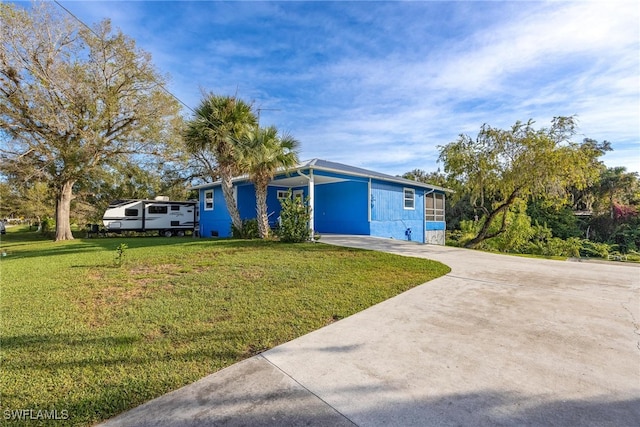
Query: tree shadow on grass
column 108, row 373
column 94, row 351
column 238, row 397
column 83, row 246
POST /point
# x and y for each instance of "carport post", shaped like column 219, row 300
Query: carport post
column 311, row 204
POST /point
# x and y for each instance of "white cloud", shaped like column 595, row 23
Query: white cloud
column 386, row 83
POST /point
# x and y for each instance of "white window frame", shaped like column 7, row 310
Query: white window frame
column 282, row 194
column 405, row 199
column 208, row 200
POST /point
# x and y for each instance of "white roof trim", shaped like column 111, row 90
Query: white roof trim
column 316, row 164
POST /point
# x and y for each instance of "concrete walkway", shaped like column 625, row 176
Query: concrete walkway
column 501, row 340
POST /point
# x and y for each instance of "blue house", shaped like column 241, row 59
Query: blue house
column 343, row 200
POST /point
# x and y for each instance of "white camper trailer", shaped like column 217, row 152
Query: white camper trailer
column 167, row 217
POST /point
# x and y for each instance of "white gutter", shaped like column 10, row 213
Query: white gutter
column 369, row 202
column 398, row 180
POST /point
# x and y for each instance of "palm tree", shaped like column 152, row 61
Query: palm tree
column 264, row 153
column 219, row 123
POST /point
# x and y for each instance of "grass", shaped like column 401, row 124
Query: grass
column 89, row 339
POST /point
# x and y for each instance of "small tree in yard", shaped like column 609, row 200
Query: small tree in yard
column 264, row 153
column 294, row 220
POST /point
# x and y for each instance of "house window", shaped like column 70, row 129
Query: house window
column 434, row 207
column 282, row 194
column 131, row 212
column 208, row 200
column 154, row 209
column 409, row 198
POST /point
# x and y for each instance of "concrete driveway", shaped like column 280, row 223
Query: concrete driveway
column 501, row 340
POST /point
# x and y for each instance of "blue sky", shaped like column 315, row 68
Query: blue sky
column 381, row 85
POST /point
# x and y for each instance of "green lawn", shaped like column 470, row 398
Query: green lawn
column 89, row 339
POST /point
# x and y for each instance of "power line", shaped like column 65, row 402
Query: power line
column 155, row 81
column 265, row 109
column 98, row 36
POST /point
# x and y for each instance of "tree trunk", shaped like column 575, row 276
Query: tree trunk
column 63, row 211
column 483, row 234
column 227, row 191
column 261, row 210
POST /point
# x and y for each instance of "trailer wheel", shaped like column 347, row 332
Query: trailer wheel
column 167, row 233
column 180, row 233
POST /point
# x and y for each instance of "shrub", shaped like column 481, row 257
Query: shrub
column 120, row 254
column 249, row 230
column 554, row 246
column 468, row 230
column 626, row 236
column 47, row 225
column 294, row 219
column 601, row 250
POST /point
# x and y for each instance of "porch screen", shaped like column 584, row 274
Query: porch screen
column 434, row 207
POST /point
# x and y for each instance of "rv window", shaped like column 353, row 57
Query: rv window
column 175, row 207
column 157, row 209
column 131, row 212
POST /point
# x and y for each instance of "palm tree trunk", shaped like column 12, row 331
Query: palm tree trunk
column 63, row 211
column 261, row 209
column 227, row 192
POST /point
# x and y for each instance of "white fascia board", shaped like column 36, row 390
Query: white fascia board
column 389, row 178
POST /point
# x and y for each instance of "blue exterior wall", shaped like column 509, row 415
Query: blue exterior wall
column 436, row 225
column 341, row 207
column 389, row 218
column 246, row 199
column 216, row 221
column 273, row 204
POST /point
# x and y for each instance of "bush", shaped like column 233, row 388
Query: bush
column 468, row 230
column 294, row 220
column 600, row 250
column 47, row 226
column 627, row 236
column 554, row 246
column 249, row 230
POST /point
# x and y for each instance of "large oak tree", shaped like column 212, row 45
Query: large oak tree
column 500, row 167
column 74, row 100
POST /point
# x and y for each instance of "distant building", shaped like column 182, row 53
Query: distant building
column 343, row 199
